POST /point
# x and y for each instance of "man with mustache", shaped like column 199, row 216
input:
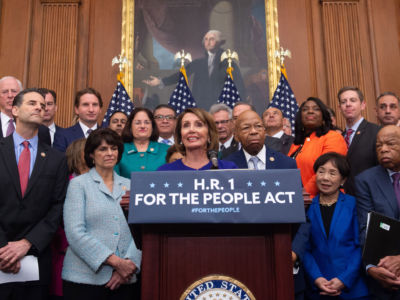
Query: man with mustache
column 378, row 189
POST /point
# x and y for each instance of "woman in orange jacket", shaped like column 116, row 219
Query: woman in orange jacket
column 313, row 137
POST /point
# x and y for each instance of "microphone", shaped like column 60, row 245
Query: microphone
column 214, row 159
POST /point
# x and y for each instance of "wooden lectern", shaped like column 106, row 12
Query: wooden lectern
column 176, row 255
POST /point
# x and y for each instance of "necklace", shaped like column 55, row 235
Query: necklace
column 327, row 204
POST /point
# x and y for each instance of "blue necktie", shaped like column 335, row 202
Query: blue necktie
column 255, row 160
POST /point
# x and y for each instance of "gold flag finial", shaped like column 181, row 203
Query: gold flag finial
column 182, row 56
column 282, row 54
column 120, row 60
column 230, row 56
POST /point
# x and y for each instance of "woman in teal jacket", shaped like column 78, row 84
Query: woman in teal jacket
column 141, row 150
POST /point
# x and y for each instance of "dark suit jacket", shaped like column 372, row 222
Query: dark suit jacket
column 207, row 88
column 37, row 215
column 361, row 154
column 287, row 141
column 279, row 144
column 275, row 160
column 375, row 192
column 228, row 151
column 44, row 134
column 65, row 136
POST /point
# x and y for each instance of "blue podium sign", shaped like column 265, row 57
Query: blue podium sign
column 221, row 196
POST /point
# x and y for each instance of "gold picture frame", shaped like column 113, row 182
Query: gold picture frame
column 272, row 38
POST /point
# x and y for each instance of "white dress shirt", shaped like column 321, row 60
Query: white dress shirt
column 4, row 123
column 261, row 159
column 85, row 128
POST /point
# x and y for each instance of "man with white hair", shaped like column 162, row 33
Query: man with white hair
column 9, row 88
column 208, row 73
column 222, row 115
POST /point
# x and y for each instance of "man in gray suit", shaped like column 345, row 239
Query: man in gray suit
column 376, row 191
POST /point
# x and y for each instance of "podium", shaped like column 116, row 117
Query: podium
column 176, row 255
column 201, row 229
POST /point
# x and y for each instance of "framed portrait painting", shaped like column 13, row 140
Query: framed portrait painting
column 153, row 31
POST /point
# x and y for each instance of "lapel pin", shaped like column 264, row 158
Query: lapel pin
column 43, row 154
column 272, row 158
column 151, row 149
column 358, row 132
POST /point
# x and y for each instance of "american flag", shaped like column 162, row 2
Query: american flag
column 120, row 101
column 229, row 94
column 182, row 97
column 284, row 99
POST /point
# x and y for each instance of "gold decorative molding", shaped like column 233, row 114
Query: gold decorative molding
column 274, row 68
column 272, row 37
column 127, row 42
column 60, row 1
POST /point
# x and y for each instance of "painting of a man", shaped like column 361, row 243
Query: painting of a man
column 208, row 73
column 204, row 29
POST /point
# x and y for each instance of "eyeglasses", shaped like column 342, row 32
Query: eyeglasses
column 222, row 122
column 161, row 117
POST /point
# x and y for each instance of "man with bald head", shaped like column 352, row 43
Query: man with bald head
column 250, row 132
column 378, row 189
column 273, row 122
column 9, row 88
column 388, row 108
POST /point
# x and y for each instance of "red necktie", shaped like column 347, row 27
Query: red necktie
column 24, row 166
column 349, row 132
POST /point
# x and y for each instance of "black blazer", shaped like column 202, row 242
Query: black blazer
column 44, row 134
column 361, row 154
column 37, row 215
column 281, row 144
column 228, row 151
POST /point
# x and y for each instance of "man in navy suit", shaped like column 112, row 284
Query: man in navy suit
column 33, row 182
column 250, row 131
column 87, row 105
column 50, row 111
column 9, row 88
column 376, row 191
column 360, row 135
